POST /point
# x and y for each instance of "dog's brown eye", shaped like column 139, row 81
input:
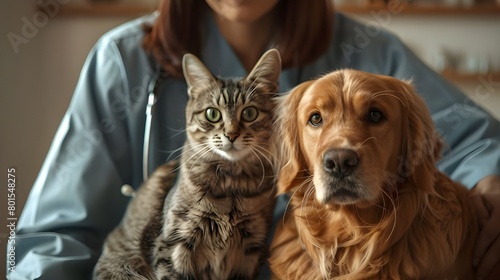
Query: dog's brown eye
column 375, row 115
column 315, row 119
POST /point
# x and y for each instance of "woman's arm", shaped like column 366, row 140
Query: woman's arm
column 76, row 198
column 486, row 200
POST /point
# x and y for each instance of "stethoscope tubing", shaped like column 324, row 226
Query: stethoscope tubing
column 152, row 92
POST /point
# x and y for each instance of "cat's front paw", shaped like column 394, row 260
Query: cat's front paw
column 123, row 268
column 164, row 273
column 122, row 274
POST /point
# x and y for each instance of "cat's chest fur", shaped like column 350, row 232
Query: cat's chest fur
column 219, row 231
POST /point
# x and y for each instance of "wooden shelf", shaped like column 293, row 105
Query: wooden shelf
column 420, row 9
column 469, row 77
column 114, row 9
column 105, row 10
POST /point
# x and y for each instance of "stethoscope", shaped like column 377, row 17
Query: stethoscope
column 152, row 90
column 154, row 83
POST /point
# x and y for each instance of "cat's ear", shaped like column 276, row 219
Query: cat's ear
column 267, row 70
column 195, row 72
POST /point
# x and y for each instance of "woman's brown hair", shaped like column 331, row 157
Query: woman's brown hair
column 304, row 31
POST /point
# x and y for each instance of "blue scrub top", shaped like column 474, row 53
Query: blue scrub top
column 76, row 200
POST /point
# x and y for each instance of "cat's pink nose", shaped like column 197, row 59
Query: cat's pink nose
column 232, row 136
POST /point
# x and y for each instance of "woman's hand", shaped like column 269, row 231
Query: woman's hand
column 486, row 202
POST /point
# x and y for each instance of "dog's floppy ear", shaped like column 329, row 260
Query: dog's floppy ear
column 421, row 145
column 291, row 161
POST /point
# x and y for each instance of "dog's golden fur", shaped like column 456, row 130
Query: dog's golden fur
column 395, row 216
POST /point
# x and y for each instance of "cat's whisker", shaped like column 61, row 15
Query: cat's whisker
column 194, row 147
column 264, row 154
column 188, row 149
column 267, row 152
column 262, row 166
column 179, row 131
column 201, row 148
column 296, row 191
column 174, row 152
column 182, row 150
column 200, row 154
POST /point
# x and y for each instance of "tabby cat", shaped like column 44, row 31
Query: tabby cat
column 212, row 221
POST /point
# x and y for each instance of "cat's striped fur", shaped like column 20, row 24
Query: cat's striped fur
column 214, row 222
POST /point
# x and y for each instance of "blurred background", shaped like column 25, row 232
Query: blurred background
column 44, row 44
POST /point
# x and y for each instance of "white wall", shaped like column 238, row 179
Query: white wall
column 36, row 84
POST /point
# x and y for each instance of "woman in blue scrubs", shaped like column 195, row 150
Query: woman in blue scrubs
column 76, row 200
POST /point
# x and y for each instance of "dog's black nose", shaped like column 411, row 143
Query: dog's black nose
column 340, row 162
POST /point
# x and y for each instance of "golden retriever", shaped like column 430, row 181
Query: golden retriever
column 367, row 201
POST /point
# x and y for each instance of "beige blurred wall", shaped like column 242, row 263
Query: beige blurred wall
column 465, row 38
column 36, row 85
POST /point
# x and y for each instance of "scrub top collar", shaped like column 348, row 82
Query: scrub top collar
column 220, row 58
column 218, row 55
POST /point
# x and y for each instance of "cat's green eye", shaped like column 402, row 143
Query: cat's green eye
column 249, row 114
column 213, row 115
